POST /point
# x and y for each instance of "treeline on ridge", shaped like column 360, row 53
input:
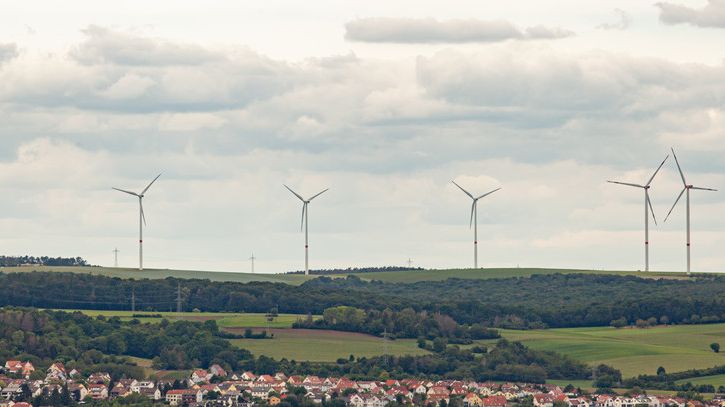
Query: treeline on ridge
column 539, row 301
column 17, row 261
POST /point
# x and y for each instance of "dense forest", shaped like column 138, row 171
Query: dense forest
column 558, row 300
column 89, row 344
column 16, row 261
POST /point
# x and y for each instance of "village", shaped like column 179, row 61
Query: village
column 216, row 387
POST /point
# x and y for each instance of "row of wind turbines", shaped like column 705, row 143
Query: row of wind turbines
column 473, row 222
column 648, row 206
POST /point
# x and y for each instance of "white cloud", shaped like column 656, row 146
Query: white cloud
column 129, row 86
column 711, row 15
column 107, row 46
column 623, row 23
column 411, row 31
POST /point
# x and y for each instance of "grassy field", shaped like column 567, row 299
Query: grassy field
column 224, row 320
column 325, row 346
column 438, row 275
column 717, row 380
column 128, row 273
column 395, row 277
column 633, row 351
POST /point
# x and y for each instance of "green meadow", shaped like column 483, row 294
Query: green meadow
column 224, row 320
column 325, row 346
column 296, row 279
column 634, row 351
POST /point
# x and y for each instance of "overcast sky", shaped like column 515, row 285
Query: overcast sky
column 384, row 103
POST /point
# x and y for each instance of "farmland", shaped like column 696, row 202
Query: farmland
column 224, row 320
column 324, row 346
column 296, row 279
column 633, row 351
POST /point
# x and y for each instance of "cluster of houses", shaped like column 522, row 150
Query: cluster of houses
column 215, row 387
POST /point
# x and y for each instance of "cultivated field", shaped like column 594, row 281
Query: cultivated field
column 224, row 320
column 717, row 380
column 324, row 346
column 395, row 277
column 128, row 273
column 633, row 351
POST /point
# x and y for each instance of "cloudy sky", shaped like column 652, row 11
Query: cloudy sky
column 384, row 103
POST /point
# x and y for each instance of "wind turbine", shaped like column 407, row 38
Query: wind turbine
column 474, row 220
column 141, row 220
column 647, row 209
column 304, row 223
column 687, row 187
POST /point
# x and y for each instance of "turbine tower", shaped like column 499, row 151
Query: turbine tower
column 304, row 223
column 687, row 187
column 141, row 220
column 647, row 209
column 474, row 220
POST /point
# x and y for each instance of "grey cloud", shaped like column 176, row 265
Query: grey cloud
column 517, row 82
column 8, row 52
column 413, row 31
column 711, row 15
column 107, row 46
column 624, row 21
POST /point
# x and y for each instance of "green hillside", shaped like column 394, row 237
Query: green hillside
column 394, row 277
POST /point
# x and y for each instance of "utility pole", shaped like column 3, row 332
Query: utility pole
column 115, row 257
column 178, row 298
column 133, row 299
column 410, row 263
column 385, row 346
column 252, row 259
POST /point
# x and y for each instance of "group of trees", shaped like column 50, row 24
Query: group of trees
column 406, row 323
column 539, row 301
column 15, row 261
column 669, row 381
column 99, row 344
column 85, row 342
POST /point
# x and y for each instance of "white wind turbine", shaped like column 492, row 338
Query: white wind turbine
column 304, row 223
column 647, row 208
column 474, row 220
column 687, row 187
column 141, row 220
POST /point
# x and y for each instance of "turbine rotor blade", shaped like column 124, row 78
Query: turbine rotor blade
column 656, row 171
column 149, row 185
column 703, row 189
column 673, row 205
column 143, row 215
column 318, row 194
column 487, row 193
column 461, row 188
column 123, row 190
column 649, row 202
column 629, row 184
column 678, row 167
column 295, row 193
column 302, row 222
column 473, row 209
